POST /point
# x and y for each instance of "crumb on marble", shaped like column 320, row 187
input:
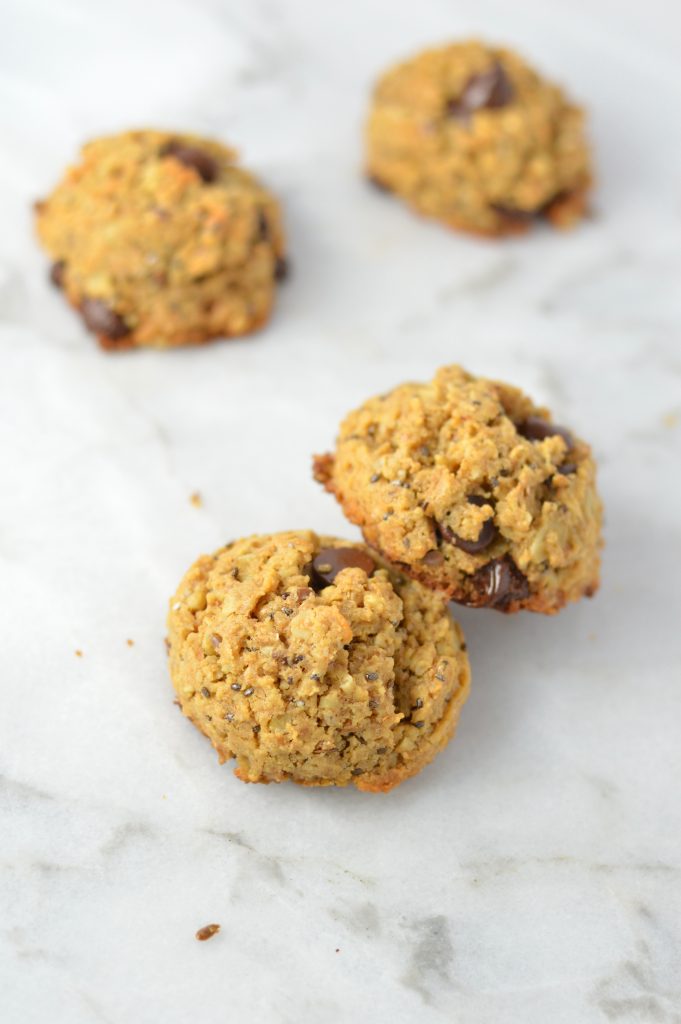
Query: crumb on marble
column 130, row 643
column 670, row 420
column 78, row 653
column 207, row 932
column 196, row 499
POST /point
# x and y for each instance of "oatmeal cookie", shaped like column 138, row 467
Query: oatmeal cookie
column 468, row 487
column 304, row 658
column 160, row 239
column 470, row 135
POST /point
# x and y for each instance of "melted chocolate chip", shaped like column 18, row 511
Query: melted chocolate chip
column 200, row 161
column 488, row 90
column 57, row 272
column 499, row 583
column 281, row 268
column 102, row 319
column 326, row 565
column 488, row 531
column 534, row 428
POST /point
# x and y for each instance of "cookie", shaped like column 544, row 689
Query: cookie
column 470, row 135
column 470, row 488
column 305, row 659
column 160, row 239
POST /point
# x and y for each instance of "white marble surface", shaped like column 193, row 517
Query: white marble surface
column 533, row 874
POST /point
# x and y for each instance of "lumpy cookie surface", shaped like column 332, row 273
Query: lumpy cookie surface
column 470, row 135
column 305, row 659
column 160, row 239
column 469, row 487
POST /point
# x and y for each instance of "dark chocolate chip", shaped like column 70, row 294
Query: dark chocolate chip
column 499, row 583
column 379, row 185
column 534, row 428
column 433, row 558
column 510, row 213
column 282, row 268
column 488, row 531
column 326, row 565
column 488, row 90
column 263, row 227
column 200, row 161
column 102, row 319
column 57, row 271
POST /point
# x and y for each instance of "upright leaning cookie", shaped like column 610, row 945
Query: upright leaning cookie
column 469, row 487
column 161, row 239
column 304, row 659
column 470, row 135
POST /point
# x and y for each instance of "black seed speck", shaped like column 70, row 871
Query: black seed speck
column 374, row 478
column 205, row 691
column 236, row 686
column 256, row 728
column 249, row 692
column 418, row 704
column 371, row 676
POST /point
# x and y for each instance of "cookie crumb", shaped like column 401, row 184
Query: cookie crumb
column 196, row 499
column 130, row 643
column 207, row 932
column 78, row 653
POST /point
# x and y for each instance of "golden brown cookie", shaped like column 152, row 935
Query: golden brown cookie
column 470, row 488
column 160, row 239
column 305, row 659
column 470, row 135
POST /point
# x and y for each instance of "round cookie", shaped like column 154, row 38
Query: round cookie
column 304, row 659
column 160, row 239
column 467, row 486
column 470, row 135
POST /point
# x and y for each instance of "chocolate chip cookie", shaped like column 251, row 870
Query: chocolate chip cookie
column 161, row 239
column 470, row 135
column 305, row 658
column 468, row 487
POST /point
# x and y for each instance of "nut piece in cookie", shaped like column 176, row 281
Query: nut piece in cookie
column 470, row 135
column 160, row 239
column 474, row 491
column 305, row 658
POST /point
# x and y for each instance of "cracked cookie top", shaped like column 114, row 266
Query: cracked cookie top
column 467, row 486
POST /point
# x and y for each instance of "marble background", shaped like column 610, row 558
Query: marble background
column 533, row 874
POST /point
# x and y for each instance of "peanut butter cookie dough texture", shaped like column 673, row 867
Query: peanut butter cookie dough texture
column 306, row 658
column 160, row 239
column 467, row 486
column 472, row 136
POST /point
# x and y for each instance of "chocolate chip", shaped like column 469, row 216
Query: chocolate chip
column 57, row 271
column 534, row 428
column 488, row 531
column 263, row 227
column 200, row 161
column 510, row 213
column 326, row 565
column 379, row 185
column 102, row 319
column 499, row 583
column 282, row 268
column 485, row 91
column 433, row 558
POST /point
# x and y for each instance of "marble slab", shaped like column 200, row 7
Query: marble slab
column 531, row 875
